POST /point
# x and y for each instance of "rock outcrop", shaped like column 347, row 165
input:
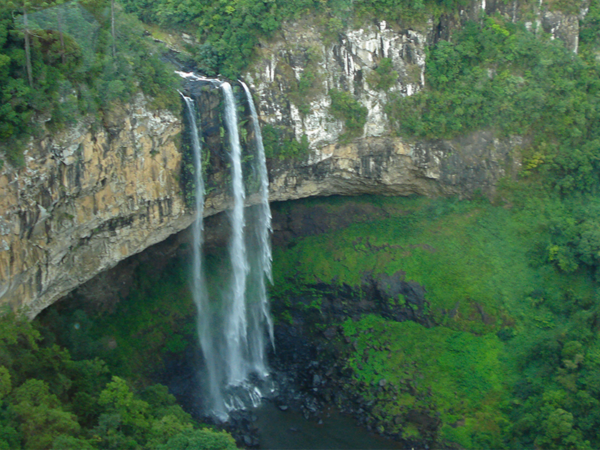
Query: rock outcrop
column 96, row 194
column 344, row 64
column 86, row 199
column 393, row 166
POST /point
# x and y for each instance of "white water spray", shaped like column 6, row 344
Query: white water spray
column 235, row 324
column 260, row 251
column 232, row 329
column 199, row 293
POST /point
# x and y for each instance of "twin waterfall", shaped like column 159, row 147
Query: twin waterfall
column 234, row 323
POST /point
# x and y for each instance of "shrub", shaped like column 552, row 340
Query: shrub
column 345, row 107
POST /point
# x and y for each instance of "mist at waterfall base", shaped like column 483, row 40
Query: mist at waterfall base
column 234, row 323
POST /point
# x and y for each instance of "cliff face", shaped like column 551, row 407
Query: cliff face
column 296, row 70
column 392, row 166
column 94, row 195
column 344, row 64
column 86, row 199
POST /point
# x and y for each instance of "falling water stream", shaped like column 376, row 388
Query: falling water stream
column 236, row 329
column 233, row 326
column 199, row 291
column 259, row 251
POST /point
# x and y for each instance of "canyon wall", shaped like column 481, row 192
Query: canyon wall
column 97, row 193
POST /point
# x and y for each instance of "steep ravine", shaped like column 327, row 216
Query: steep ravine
column 97, row 193
column 308, row 366
column 69, row 216
column 326, row 310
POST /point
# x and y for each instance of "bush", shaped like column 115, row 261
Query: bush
column 279, row 142
column 345, row 107
column 383, row 77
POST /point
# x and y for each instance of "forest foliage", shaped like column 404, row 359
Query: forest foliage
column 59, row 63
column 229, row 30
column 48, row 400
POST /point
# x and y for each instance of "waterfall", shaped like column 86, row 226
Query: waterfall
column 236, row 325
column 199, row 292
column 233, row 324
column 260, row 251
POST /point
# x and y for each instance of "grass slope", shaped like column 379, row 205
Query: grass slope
column 495, row 306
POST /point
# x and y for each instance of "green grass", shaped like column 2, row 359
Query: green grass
column 469, row 256
column 513, row 310
column 453, row 375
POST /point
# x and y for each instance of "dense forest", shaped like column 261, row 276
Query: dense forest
column 512, row 286
column 50, row 401
column 60, row 61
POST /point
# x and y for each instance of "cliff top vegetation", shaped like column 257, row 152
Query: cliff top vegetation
column 61, row 61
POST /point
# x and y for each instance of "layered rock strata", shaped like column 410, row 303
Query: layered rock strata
column 96, row 194
column 86, row 199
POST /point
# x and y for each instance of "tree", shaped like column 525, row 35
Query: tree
column 42, row 419
column 118, row 399
column 64, row 442
column 112, row 29
column 60, row 32
column 23, row 7
column 5, row 384
column 200, row 439
column 27, row 46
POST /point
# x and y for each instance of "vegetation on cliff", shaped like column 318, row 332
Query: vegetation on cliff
column 60, row 62
column 345, row 107
column 230, row 30
column 499, row 75
column 511, row 287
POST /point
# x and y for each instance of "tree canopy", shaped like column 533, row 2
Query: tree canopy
column 57, row 65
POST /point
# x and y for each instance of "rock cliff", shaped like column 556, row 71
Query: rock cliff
column 295, row 71
column 86, row 199
column 96, row 194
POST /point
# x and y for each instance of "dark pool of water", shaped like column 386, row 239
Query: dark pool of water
column 281, row 430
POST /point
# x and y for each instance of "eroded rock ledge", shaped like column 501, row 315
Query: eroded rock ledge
column 392, row 166
column 96, row 194
column 86, row 199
